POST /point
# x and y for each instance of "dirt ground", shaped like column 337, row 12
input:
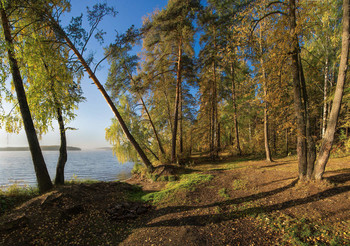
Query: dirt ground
column 239, row 206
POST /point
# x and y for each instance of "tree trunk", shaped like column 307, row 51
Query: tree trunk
column 62, row 159
column 298, row 104
column 211, row 127
column 311, row 148
column 218, row 142
column 215, row 114
column 42, row 175
column 148, row 115
column 181, row 124
column 325, row 89
column 328, row 139
column 266, row 128
column 153, row 127
column 266, row 115
column 235, row 123
column 287, row 142
column 56, row 27
column 274, row 139
column 170, row 119
column 177, row 102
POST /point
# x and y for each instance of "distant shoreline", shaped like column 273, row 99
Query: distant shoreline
column 46, row 148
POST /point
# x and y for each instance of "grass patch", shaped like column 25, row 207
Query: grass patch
column 15, row 195
column 135, row 194
column 186, row 182
column 76, row 180
column 239, row 184
column 223, row 193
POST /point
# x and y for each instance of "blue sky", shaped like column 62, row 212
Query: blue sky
column 94, row 115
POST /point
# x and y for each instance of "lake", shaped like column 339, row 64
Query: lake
column 16, row 167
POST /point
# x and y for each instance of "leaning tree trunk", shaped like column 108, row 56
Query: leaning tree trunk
column 42, row 175
column 92, row 75
column 328, row 139
column 62, row 158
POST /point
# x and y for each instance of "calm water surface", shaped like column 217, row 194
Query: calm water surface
column 16, row 167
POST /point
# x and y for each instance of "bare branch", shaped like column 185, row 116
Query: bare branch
column 267, row 15
column 276, row 2
column 104, row 58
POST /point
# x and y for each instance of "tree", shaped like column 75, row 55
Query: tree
column 43, row 178
column 173, row 27
column 210, row 63
column 328, row 138
column 50, row 80
column 121, row 78
column 44, row 11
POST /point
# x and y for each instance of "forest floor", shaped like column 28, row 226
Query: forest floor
column 231, row 202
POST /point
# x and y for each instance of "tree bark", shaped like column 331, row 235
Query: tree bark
column 328, row 139
column 287, row 142
column 234, row 104
column 298, row 104
column 181, row 124
column 325, row 89
column 266, row 115
column 56, row 27
column 177, row 101
column 62, row 159
column 311, row 148
column 215, row 114
column 42, row 175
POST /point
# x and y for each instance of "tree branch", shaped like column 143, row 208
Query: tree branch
column 265, row 16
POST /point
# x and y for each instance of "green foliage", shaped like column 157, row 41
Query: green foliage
column 51, row 80
column 187, row 182
column 122, row 147
column 138, row 168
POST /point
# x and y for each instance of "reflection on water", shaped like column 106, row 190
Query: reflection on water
column 16, row 167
